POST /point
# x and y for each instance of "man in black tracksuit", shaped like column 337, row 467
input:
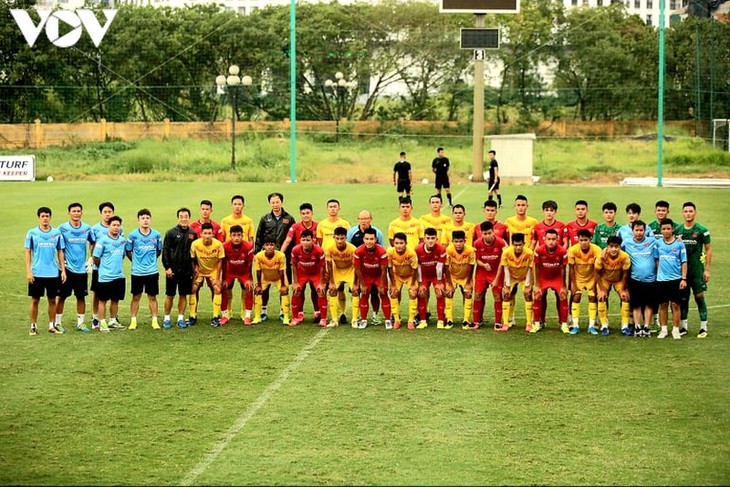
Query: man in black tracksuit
column 276, row 224
column 178, row 266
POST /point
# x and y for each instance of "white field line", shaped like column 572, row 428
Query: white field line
column 251, row 411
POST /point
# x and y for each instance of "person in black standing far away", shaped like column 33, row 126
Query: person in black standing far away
column 440, row 167
column 494, row 178
column 402, row 176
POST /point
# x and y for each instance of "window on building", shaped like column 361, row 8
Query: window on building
column 649, row 3
column 242, row 10
column 599, row 3
column 673, row 4
column 637, row 3
column 648, row 19
column 574, row 3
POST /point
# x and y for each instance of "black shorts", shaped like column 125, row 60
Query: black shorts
column 496, row 185
column 642, row 294
column 146, row 284
column 50, row 286
column 112, row 290
column 178, row 285
column 94, row 280
column 669, row 292
column 442, row 181
column 76, row 284
column 404, row 185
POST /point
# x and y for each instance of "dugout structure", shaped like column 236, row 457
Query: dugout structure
column 515, row 156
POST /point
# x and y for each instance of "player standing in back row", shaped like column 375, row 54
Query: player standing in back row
column 440, row 167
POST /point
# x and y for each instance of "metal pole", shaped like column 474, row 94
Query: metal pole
column 478, row 127
column 293, row 92
column 233, row 128
column 660, row 100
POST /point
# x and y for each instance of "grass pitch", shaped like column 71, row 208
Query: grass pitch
column 273, row 405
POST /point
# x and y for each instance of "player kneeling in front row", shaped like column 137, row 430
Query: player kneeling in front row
column 207, row 254
column 270, row 268
column 612, row 270
column 308, row 268
column 371, row 271
column 403, row 270
column 237, row 267
column 517, row 264
column 581, row 277
column 551, row 259
column 460, row 261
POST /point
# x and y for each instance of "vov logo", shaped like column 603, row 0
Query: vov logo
column 77, row 21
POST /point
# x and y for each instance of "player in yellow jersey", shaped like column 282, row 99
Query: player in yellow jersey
column 520, row 222
column 207, row 255
column 326, row 227
column 238, row 218
column 582, row 278
column 457, row 223
column 402, row 270
column 406, row 223
column 270, row 268
column 517, row 267
column 460, row 262
column 612, row 270
column 435, row 219
column 341, row 272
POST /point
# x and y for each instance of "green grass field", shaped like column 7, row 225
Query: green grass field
column 273, row 405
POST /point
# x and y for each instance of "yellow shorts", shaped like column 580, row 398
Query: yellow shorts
column 346, row 277
column 589, row 285
column 458, row 282
column 200, row 278
column 399, row 282
column 618, row 286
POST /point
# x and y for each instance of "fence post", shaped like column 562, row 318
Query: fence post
column 102, row 129
column 37, row 134
column 166, row 128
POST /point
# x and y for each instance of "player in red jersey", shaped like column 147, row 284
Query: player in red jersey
column 551, row 260
column 549, row 210
column 488, row 256
column 293, row 236
column 431, row 260
column 371, row 270
column 206, row 208
column 581, row 222
column 308, row 267
column 490, row 215
column 237, row 267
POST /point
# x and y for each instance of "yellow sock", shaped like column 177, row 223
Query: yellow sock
column 333, row 303
column 603, row 313
column 243, row 302
column 217, row 298
column 467, row 309
column 412, row 309
column 285, row 307
column 506, row 309
column 591, row 313
column 449, row 309
column 625, row 314
column 355, row 308
column 512, row 310
column 394, row 307
column 193, row 304
column 528, row 312
column 341, row 302
column 257, row 303
column 575, row 313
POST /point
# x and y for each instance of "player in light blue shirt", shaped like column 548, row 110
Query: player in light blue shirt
column 671, row 277
column 44, row 268
column 109, row 253
column 106, row 212
column 643, row 253
column 633, row 213
column 144, row 246
column 78, row 237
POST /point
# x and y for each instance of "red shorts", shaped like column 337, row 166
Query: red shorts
column 555, row 286
column 314, row 280
column 489, row 278
column 369, row 281
column 481, row 285
column 231, row 280
column 429, row 281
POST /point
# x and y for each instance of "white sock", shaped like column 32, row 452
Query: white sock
column 263, row 310
column 51, row 324
column 703, row 325
column 248, row 313
column 167, row 317
column 684, row 324
column 58, row 318
column 180, row 317
column 664, row 328
column 80, row 319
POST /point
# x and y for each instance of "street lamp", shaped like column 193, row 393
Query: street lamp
column 231, row 82
column 340, row 87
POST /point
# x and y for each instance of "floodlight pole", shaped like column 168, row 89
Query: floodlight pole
column 293, row 92
column 660, row 99
column 478, row 123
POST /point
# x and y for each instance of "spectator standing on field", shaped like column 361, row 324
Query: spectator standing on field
column 493, row 183
column 440, row 167
column 403, row 176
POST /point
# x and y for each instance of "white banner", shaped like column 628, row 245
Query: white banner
column 17, row 168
